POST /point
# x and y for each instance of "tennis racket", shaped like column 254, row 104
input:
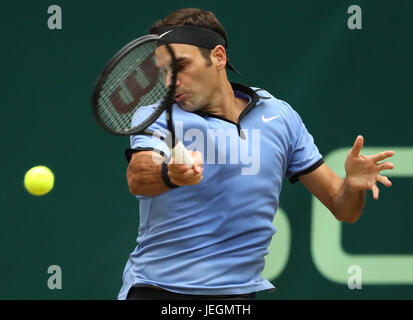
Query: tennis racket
column 134, row 89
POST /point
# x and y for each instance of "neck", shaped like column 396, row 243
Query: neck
column 224, row 103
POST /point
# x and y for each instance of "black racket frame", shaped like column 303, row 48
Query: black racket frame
column 166, row 103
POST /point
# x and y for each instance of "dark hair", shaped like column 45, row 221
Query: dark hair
column 193, row 17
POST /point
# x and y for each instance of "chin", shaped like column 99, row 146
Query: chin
column 189, row 107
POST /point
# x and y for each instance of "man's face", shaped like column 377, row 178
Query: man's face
column 196, row 82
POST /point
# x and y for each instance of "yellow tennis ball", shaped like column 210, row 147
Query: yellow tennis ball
column 39, row 180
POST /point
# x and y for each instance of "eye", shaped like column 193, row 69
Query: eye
column 181, row 66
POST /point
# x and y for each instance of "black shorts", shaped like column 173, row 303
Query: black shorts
column 151, row 293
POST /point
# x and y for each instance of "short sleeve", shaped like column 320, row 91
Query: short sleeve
column 304, row 155
column 142, row 142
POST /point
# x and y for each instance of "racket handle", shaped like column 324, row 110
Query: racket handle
column 182, row 155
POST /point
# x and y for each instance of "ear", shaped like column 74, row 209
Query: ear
column 219, row 57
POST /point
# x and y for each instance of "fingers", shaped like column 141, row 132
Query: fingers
column 185, row 176
column 384, row 180
column 382, row 155
column 357, row 146
column 183, row 171
column 376, row 192
column 181, row 168
column 198, row 161
column 177, row 168
column 193, row 180
column 182, row 175
column 385, row 166
column 190, row 177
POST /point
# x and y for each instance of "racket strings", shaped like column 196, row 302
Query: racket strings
column 135, row 82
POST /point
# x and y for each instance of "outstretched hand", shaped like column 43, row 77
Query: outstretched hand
column 363, row 172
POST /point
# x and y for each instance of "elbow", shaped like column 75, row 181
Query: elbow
column 138, row 186
column 133, row 183
column 347, row 218
column 133, row 188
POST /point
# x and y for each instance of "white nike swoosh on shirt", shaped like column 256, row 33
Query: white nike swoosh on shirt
column 269, row 119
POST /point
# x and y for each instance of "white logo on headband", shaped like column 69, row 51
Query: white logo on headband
column 165, row 33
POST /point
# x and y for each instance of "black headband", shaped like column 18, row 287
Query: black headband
column 196, row 36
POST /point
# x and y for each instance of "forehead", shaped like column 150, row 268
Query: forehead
column 180, row 51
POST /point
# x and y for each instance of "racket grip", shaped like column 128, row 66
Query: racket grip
column 182, row 155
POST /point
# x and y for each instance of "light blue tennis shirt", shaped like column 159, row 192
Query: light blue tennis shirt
column 211, row 238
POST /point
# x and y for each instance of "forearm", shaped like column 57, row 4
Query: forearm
column 144, row 174
column 348, row 203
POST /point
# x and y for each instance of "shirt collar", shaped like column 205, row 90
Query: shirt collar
column 254, row 99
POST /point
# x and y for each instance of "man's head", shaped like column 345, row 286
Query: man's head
column 199, row 42
column 193, row 17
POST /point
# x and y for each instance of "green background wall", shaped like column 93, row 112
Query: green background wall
column 342, row 82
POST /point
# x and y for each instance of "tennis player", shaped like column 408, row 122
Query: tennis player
column 205, row 229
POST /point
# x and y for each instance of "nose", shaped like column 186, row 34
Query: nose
column 168, row 80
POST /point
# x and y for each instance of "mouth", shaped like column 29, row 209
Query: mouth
column 180, row 97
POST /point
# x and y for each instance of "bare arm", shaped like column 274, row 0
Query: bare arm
column 346, row 198
column 345, row 203
column 144, row 173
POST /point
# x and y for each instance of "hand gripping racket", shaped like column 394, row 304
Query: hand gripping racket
column 136, row 87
